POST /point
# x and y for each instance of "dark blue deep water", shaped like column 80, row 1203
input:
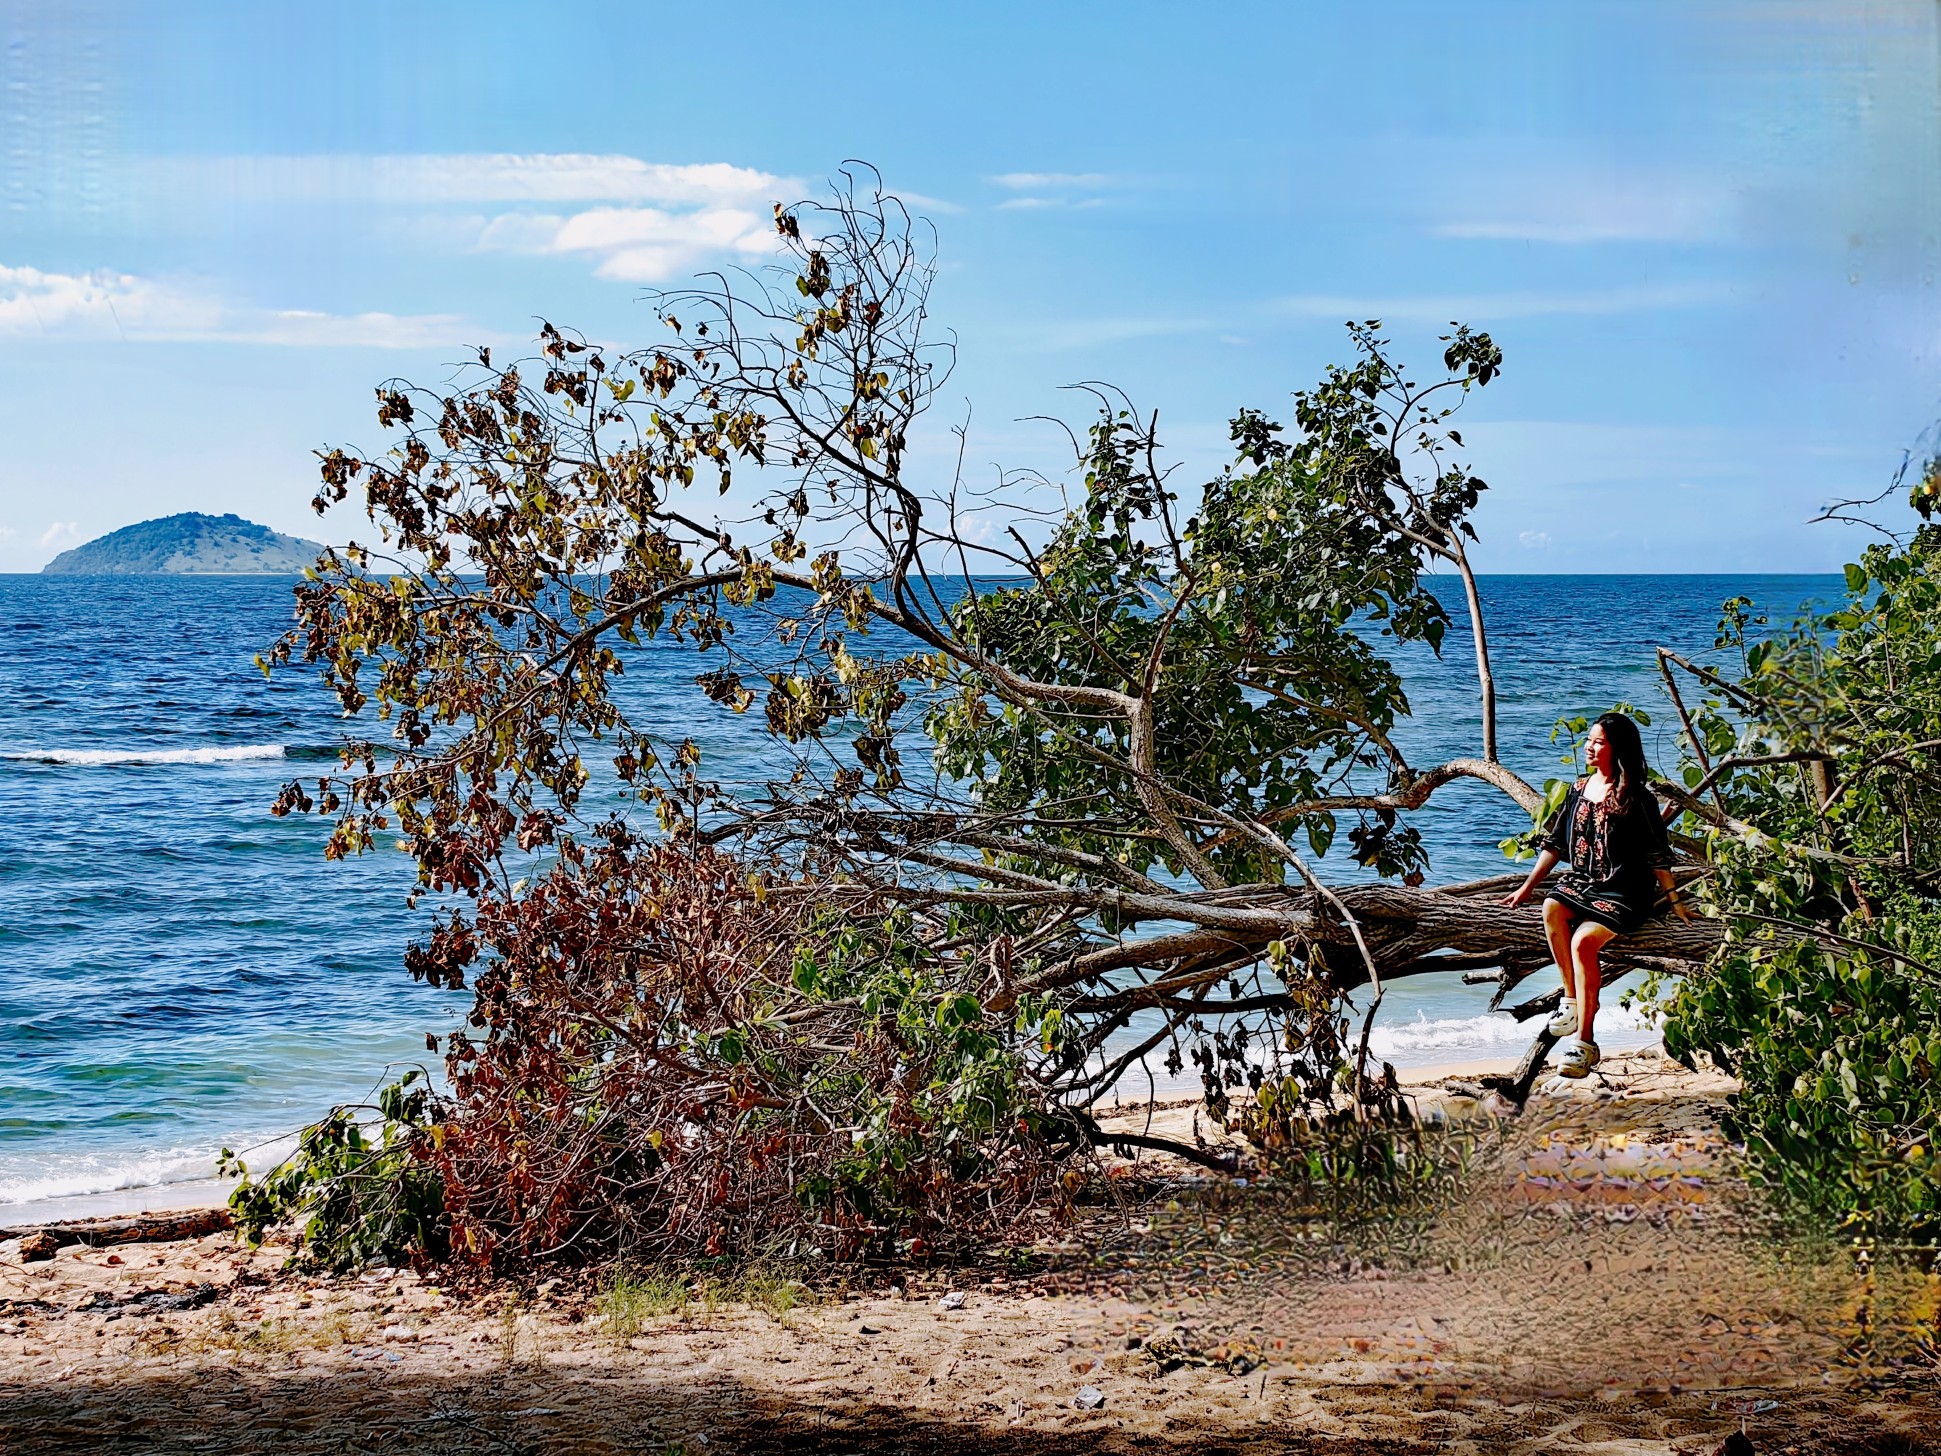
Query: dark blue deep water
column 179, row 970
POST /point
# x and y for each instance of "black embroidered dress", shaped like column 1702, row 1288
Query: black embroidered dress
column 1613, row 857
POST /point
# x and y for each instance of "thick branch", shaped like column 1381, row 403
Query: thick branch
column 1415, row 793
column 1485, row 680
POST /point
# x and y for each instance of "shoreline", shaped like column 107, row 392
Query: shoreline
column 180, row 1197
column 1171, row 1106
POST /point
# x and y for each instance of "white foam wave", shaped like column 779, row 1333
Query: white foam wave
column 74, row 1177
column 1457, row 1037
column 62, row 1176
column 113, row 757
column 1425, row 1041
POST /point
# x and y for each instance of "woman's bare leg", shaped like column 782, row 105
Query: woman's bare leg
column 1585, row 943
column 1557, row 926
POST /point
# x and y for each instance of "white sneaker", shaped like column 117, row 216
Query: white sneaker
column 1579, row 1057
column 1563, row 1021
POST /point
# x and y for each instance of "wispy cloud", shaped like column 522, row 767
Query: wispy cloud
column 1044, row 190
column 107, row 305
column 1051, row 181
column 430, row 179
column 59, row 533
column 567, row 177
column 1084, row 333
column 1487, row 308
column 1482, row 309
column 1012, row 204
column 639, row 221
column 920, row 203
column 1588, row 204
column 636, row 244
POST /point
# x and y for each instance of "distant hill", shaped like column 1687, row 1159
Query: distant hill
column 190, row 544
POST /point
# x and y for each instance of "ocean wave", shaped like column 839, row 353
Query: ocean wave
column 1453, row 1038
column 315, row 752
column 118, row 757
column 49, row 1177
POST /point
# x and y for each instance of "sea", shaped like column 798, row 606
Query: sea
column 181, row 972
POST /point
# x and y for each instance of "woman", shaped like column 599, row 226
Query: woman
column 1610, row 833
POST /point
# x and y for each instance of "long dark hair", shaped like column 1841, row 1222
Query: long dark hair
column 1627, row 749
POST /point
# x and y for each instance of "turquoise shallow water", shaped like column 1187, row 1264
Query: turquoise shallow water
column 179, row 970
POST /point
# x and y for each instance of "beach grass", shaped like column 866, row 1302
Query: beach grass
column 632, row 1297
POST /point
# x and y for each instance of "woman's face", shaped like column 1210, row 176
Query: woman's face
column 1597, row 752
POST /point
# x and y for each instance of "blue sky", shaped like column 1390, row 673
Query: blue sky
column 1705, row 234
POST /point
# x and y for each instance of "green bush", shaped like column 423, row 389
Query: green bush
column 1825, row 1000
column 359, row 1184
column 1838, row 1053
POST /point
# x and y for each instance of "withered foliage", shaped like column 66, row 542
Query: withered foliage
column 669, row 1060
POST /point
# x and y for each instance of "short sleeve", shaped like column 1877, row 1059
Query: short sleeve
column 1556, row 834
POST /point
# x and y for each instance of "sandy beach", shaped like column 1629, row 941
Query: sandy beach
column 1601, row 1283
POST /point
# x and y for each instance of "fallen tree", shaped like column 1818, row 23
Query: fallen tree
column 1066, row 762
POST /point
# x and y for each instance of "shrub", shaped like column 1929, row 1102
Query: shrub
column 1825, row 998
column 671, row 1058
column 361, row 1184
column 1838, row 1052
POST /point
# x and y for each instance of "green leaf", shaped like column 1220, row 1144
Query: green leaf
column 1320, row 833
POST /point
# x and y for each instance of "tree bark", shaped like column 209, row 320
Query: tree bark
column 1404, row 925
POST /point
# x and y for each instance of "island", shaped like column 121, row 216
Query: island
column 188, row 544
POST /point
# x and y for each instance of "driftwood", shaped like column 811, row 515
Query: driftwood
column 1517, row 1084
column 39, row 1241
column 150, row 1301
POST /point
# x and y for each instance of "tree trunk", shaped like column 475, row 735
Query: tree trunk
column 1408, row 931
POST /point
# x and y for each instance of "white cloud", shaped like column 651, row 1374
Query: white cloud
column 1050, row 181
column 518, row 232
column 419, row 179
column 105, row 305
column 567, row 177
column 653, row 220
column 302, row 327
column 977, row 529
column 1533, row 540
column 636, row 244
column 639, row 221
column 60, row 533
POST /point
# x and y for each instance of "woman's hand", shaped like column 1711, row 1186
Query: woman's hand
column 1546, row 860
column 1668, row 883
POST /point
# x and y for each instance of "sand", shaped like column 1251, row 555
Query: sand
column 1596, row 1282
